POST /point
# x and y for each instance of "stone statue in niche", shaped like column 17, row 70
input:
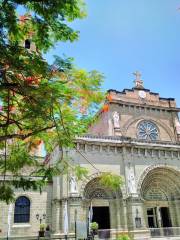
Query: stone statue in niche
column 177, row 123
column 131, row 181
column 116, row 120
column 73, row 185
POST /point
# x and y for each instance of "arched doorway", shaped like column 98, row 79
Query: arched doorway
column 160, row 190
column 102, row 202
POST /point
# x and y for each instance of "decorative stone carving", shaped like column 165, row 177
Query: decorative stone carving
column 155, row 194
column 131, row 181
column 99, row 193
column 105, row 149
column 89, row 148
column 112, row 149
column 162, row 153
column 73, row 185
column 119, row 149
column 175, row 154
column 96, row 148
column 82, row 147
column 116, row 120
column 142, row 151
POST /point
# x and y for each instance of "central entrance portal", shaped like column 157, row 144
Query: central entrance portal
column 101, row 216
column 164, row 217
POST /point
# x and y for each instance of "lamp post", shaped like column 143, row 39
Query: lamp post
column 40, row 217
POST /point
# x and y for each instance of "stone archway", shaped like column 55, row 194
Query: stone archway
column 160, row 190
column 94, row 189
column 105, row 203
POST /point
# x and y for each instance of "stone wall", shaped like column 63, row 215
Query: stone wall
column 38, row 205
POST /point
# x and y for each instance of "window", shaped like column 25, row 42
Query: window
column 22, row 210
column 27, row 44
column 147, row 130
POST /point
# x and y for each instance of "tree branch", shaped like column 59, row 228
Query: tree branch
column 24, row 136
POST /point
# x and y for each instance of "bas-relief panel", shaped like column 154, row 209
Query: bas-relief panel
column 94, row 148
column 155, row 153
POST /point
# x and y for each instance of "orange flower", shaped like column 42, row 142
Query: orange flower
column 105, row 108
column 12, row 109
column 32, row 80
column 109, row 97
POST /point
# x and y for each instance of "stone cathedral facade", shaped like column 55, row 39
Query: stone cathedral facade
column 137, row 137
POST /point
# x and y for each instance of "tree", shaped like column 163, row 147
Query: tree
column 40, row 102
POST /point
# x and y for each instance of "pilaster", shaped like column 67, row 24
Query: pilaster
column 136, row 218
column 56, row 216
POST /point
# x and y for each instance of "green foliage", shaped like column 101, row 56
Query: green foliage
column 94, row 226
column 39, row 102
column 7, row 193
column 123, row 237
column 47, row 24
column 111, row 181
column 18, row 158
column 80, row 172
column 42, row 227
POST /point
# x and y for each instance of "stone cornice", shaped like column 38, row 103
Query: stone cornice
column 126, row 141
column 146, row 105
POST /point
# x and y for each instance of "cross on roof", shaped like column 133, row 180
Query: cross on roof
column 138, row 82
column 138, row 75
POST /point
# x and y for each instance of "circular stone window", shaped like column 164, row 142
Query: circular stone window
column 147, row 130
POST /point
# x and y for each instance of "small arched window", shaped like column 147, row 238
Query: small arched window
column 27, row 44
column 22, row 210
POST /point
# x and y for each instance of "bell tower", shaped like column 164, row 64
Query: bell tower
column 27, row 43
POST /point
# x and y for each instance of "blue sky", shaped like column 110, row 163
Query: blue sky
column 119, row 37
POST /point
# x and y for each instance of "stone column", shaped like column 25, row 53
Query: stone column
column 177, row 204
column 175, row 213
column 112, row 209
column 56, row 205
column 118, row 214
column 74, row 212
column 124, row 215
column 159, row 220
column 63, row 202
column 56, row 216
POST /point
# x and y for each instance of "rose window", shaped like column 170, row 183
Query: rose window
column 147, row 130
